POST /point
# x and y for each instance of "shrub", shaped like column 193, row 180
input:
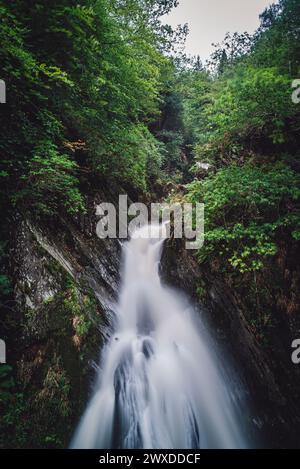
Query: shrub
column 246, row 210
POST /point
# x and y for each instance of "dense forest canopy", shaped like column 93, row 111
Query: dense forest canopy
column 94, row 90
column 247, row 129
column 84, row 81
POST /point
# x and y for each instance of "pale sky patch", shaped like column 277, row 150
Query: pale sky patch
column 210, row 20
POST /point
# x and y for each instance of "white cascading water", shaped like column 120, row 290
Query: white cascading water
column 159, row 385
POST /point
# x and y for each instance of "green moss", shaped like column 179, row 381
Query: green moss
column 202, row 290
column 82, row 307
column 46, row 391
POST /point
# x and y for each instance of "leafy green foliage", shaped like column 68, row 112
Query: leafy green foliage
column 251, row 104
column 245, row 212
column 134, row 153
column 278, row 38
column 88, row 71
column 246, row 108
column 81, row 308
column 50, row 182
column 247, row 129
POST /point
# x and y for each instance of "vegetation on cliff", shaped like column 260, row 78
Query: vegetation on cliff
column 84, row 83
column 246, row 128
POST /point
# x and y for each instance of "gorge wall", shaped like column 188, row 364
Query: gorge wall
column 66, row 282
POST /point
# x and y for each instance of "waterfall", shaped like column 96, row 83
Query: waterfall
column 159, row 384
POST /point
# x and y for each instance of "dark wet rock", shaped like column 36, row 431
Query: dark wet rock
column 66, row 281
column 270, row 376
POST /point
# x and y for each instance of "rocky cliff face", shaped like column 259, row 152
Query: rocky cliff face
column 267, row 371
column 66, row 284
column 66, row 281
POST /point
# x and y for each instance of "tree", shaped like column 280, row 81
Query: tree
column 87, row 71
